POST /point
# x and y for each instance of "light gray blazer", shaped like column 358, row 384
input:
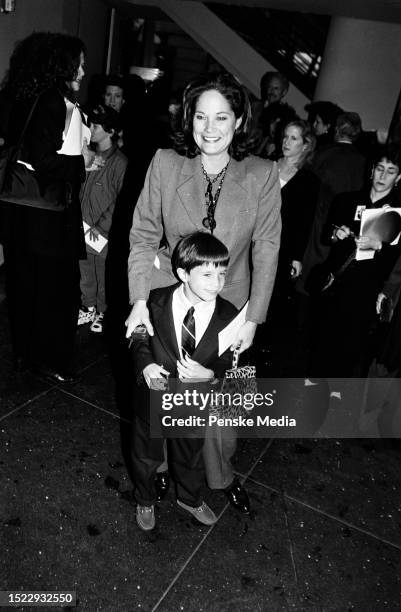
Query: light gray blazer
column 172, row 203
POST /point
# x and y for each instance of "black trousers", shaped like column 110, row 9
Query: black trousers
column 185, row 465
column 43, row 303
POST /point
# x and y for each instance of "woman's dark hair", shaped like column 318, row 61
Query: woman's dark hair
column 391, row 153
column 237, row 97
column 327, row 111
column 308, row 137
column 198, row 249
column 40, row 61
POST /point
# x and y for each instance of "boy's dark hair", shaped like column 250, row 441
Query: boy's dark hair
column 107, row 117
column 114, row 80
column 198, row 249
column 390, row 152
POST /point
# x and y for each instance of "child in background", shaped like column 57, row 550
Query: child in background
column 98, row 198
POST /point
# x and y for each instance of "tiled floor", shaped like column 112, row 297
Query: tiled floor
column 324, row 534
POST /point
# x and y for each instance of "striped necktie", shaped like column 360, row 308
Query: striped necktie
column 188, row 333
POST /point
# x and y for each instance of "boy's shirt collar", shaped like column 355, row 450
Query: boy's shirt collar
column 108, row 152
column 201, row 308
column 203, row 315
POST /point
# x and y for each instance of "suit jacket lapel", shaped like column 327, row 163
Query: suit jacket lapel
column 191, row 190
column 233, row 196
column 209, row 344
column 164, row 322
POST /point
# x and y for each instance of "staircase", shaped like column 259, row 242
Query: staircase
column 292, row 42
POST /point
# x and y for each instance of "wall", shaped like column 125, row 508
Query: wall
column 93, row 29
column 223, row 44
column 85, row 18
column 30, row 15
column 361, row 69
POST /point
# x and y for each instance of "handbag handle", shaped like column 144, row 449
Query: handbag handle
column 236, row 354
column 21, row 138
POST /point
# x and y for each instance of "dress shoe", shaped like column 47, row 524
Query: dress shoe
column 202, row 513
column 54, row 376
column 238, row 497
column 145, row 517
column 162, row 483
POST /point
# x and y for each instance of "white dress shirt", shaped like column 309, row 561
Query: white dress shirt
column 202, row 315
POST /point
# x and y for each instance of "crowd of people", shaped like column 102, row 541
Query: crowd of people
column 215, row 203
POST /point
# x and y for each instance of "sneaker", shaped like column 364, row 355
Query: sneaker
column 97, row 325
column 145, row 517
column 203, row 513
column 86, row 315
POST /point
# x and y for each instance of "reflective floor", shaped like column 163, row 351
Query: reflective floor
column 324, row 534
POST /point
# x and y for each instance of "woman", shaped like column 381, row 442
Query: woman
column 42, row 248
column 322, row 116
column 299, row 193
column 210, row 183
column 347, row 308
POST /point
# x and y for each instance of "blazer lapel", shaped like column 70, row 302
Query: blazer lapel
column 209, row 344
column 233, row 196
column 191, row 191
column 162, row 311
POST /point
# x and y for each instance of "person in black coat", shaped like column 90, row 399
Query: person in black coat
column 42, row 248
column 340, row 168
column 347, row 308
column 299, row 193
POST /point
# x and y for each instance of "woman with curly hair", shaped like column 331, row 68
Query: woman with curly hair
column 210, row 183
column 42, row 248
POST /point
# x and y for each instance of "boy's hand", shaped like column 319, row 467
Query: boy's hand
column 155, row 377
column 189, row 369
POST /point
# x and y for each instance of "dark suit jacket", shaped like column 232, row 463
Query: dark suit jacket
column 299, row 199
column 340, row 168
column 172, row 205
column 41, row 231
column 162, row 348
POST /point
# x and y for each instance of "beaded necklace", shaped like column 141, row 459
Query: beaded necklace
column 211, row 200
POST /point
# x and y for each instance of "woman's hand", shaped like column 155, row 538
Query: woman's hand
column 94, row 234
column 139, row 315
column 244, row 336
column 187, row 368
column 379, row 302
column 155, row 377
column 296, row 268
column 367, row 242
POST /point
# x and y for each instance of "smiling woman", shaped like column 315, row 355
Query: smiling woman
column 210, row 183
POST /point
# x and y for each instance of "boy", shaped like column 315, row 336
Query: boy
column 186, row 318
column 98, row 198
